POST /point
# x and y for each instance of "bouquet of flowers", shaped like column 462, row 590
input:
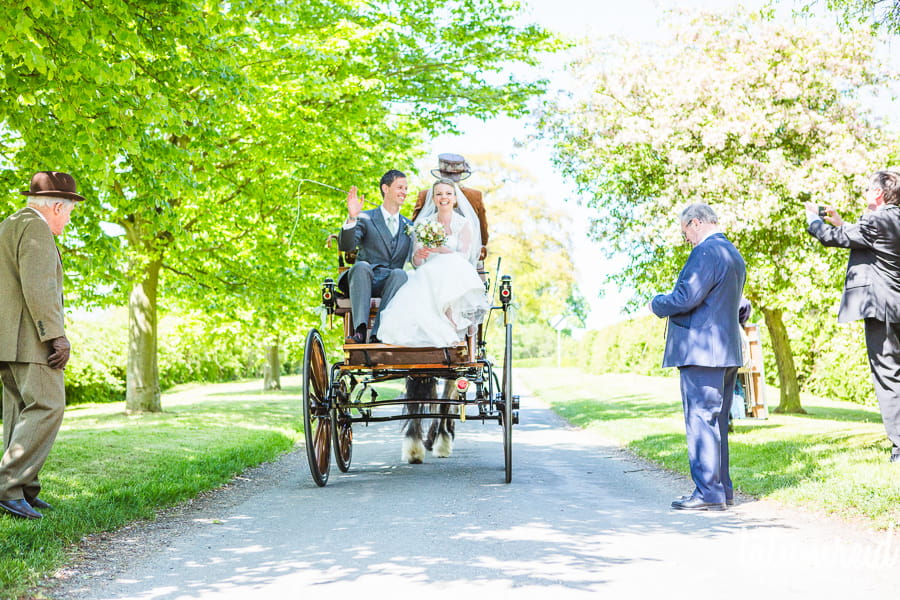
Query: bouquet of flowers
column 430, row 234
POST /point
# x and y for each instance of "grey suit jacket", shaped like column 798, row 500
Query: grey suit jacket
column 31, row 282
column 872, row 284
column 703, row 307
column 373, row 239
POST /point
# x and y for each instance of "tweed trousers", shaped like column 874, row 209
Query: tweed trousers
column 34, row 400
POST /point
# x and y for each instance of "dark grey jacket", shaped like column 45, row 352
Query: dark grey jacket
column 376, row 247
column 872, row 285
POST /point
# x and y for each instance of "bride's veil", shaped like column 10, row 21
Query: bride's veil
column 464, row 208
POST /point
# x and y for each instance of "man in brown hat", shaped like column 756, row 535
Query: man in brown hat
column 33, row 345
column 455, row 168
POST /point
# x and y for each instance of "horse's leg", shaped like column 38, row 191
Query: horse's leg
column 432, row 433
column 443, row 441
column 413, row 450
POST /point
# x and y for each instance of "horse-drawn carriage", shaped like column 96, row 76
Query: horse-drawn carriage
column 338, row 396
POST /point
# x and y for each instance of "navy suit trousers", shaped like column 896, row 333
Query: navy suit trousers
column 706, row 394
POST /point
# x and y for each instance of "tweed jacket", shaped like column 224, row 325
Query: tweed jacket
column 872, row 284
column 31, row 282
column 703, row 306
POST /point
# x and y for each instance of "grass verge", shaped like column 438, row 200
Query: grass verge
column 108, row 469
column 834, row 459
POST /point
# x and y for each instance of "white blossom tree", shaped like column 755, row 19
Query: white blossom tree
column 743, row 113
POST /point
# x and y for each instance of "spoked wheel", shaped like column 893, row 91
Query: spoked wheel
column 342, row 433
column 343, row 430
column 316, row 414
column 507, row 414
column 343, row 439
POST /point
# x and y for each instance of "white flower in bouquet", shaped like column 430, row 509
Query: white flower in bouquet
column 430, row 234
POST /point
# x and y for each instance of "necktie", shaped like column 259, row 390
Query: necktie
column 392, row 225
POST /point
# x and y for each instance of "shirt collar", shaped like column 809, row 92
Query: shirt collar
column 707, row 236
column 39, row 213
column 387, row 215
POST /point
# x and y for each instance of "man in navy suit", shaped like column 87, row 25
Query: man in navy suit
column 872, row 286
column 703, row 340
column 384, row 247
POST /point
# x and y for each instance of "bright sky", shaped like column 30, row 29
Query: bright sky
column 635, row 19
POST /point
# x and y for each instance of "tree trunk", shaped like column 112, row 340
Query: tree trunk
column 142, row 375
column 272, row 370
column 784, row 359
column 142, row 371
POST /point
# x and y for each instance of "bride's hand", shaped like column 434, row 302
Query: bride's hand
column 421, row 254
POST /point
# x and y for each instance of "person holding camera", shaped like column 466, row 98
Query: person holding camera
column 872, row 285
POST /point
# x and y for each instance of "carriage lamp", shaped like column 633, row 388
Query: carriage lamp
column 506, row 290
column 328, row 293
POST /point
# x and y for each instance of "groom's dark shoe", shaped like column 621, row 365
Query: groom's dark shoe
column 358, row 337
column 20, row 508
column 694, row 503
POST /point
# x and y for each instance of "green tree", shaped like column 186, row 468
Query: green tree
column 881, row 13
column 747, row 115
column 189, row 125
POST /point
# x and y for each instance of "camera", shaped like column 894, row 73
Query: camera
column 822, row 212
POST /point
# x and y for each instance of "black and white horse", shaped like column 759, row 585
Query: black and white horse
column 442, row 430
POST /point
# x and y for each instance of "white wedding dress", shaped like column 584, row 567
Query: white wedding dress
column 441, row 299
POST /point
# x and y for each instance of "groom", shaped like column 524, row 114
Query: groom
column 384, row 247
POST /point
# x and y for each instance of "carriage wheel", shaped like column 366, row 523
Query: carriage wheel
column 343, row 438
column 316, row 418
column 507, row 415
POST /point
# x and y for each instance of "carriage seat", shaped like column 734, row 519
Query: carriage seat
column 342, row 305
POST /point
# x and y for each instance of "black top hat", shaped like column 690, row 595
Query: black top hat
column 452, row 166
column 53, row 183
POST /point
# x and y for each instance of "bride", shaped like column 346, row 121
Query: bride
column 444, row 297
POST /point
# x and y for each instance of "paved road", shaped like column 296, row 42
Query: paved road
column 580, row 517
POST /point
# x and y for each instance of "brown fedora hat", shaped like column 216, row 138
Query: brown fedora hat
column 452, row 166
column 53, row 183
